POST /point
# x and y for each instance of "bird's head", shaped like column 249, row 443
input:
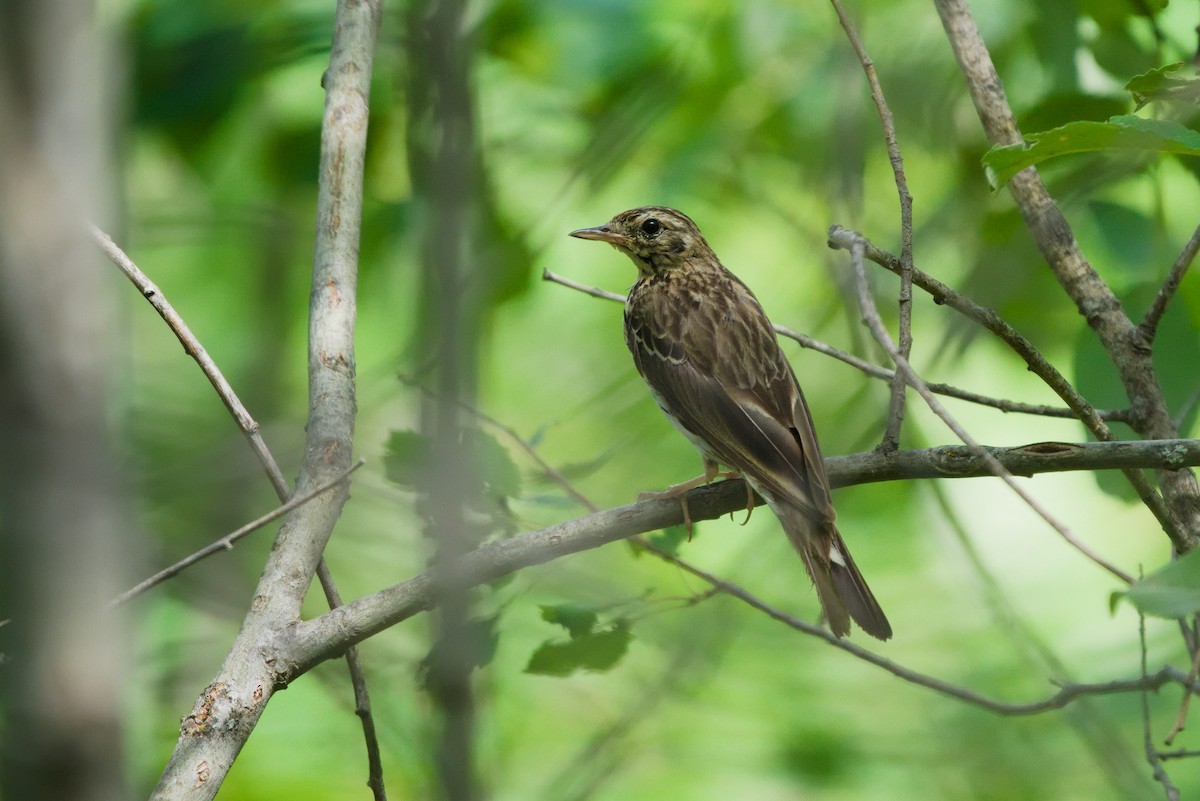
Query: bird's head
column 655, row 237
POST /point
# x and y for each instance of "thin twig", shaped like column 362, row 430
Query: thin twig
column 1065, row 695
column 1183, row 753
column 251, row 429
column 891, row 436
column 193, row 348
column 358, row 680
column 1152, row 755
column 226, row 543
column 842, row 238
column 1149, row 323
column 548, row 469
column 1181, row 718
column 875, row 323
column 595, row 292
column 877, row 371
column 1067, row 692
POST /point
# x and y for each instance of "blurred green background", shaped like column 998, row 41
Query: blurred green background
column 755, row 119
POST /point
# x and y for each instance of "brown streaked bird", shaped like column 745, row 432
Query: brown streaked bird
column 709, row 354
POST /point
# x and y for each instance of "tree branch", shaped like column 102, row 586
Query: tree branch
column 874, row 370
column 192, row 347
column 1158, row 307
column 891, row 437
column 227, row 711
column 250, row 428
column 226, row 543
column 875, row 323
column 1125, row 343
column 1037, row 363
column 326, row 636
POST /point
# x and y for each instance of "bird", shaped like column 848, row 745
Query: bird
column 709, row 354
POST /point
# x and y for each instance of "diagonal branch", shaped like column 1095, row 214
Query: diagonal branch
column 891, row 437
column 1124, row 342
column 226, row 543
column 227, row 711
column 1158, row 307
column 250, row 428
column 1037, row 363
column 326, row 636
column 874, row 370
column 192, row 347
column 875, row 323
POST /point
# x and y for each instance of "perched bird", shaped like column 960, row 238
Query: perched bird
column 705, row 347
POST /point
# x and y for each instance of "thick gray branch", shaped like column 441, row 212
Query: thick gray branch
column 327, row 636
column 225, row 714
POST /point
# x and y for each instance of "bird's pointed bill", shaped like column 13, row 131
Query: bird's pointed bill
column 601, row 233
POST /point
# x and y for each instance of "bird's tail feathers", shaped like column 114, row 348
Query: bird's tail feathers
column 843, row 592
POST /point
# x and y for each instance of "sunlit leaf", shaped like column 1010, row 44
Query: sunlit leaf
column 1124, row 132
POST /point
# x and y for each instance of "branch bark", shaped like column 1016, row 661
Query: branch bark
column 228, row 709
column 1127, row 344
column 326, row 636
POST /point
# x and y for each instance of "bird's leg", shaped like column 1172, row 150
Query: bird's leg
column 711, row 471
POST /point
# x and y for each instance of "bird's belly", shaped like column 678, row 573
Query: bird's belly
column 702, row 446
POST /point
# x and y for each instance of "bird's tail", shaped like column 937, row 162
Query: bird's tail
column 843, row 592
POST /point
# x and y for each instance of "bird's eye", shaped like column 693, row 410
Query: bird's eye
column 651, row 227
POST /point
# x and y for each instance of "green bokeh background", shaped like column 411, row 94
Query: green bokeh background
column 755, row 119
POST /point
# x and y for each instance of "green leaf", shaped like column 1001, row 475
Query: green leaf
column 496, row 467
column 405, row 457
column 598, row 651
column 1124, row 132
column 1160, row 84
column 577, row 619
column 1172, row 592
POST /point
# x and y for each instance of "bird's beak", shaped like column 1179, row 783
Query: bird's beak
column 601, row 233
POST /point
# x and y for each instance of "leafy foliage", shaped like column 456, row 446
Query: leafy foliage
column 589, row 647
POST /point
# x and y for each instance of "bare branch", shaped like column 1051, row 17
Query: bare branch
column 1158, row 307
column 891, row 437
column 326, row 636
column 226, row 543
column 322, row 638
column 841, row 238
column 227, row 711
column 874, row 370
column 1066, row 694
column 875, row 323
column 362, row 697
column 595, row 292
column 1125, row 343
column 1152, row 755
column 250, row 428
column 193, row 348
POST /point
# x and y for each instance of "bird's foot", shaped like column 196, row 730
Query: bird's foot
column 680, row 491
column 728, row 474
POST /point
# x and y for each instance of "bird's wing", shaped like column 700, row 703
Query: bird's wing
column 720, row 372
